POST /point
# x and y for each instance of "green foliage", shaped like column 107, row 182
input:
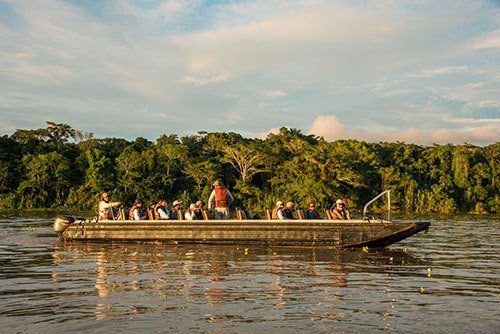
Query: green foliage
column 42, row 169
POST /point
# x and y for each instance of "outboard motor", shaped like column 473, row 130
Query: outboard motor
column 62, row 222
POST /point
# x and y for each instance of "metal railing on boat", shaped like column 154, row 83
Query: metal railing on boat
column 388, row 192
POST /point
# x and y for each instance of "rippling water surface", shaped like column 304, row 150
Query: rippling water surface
column 443, row 281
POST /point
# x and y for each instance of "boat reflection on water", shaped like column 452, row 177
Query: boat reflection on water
column 130, row 279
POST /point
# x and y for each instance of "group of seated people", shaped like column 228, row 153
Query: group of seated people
column 157, row 211
column 338, row 210
column 160, row 211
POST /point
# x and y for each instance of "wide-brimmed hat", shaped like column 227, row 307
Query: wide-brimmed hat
column 339, row 201
column 176, row 202
column 199, row 203
column 217, row 183
column 279, row 203
column 192, row 206
column 104, row 195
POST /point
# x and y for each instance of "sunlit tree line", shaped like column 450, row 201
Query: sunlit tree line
column 59, row 167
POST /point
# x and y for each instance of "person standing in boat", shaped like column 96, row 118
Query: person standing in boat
column 176, row 207
column 160, row 210
column 105, row 207
column 221, row 199
column 278, row 212
column 135, row 212
column 338, row 211
column 289, row 209
column 191, row 212
column 311, row 212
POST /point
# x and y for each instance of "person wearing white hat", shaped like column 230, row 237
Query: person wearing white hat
column 174, row 213
column 221, row 199
column 105, row 207
column 278, row 211
column 338, row 211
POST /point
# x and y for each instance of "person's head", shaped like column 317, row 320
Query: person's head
column 339, row 204
column 105, row 196
column 218, row 183
column 138, row 203
column 162, row 202
column 199, row 204
column 279, row 204
column 312, row 206
column 176, row 205
column 192, row 207
column 290, row 205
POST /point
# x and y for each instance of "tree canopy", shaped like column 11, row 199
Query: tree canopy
column 59, row 167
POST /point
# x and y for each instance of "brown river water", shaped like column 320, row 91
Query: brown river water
column 446, row 280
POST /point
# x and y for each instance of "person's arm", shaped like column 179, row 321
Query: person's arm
column 211, row 199
column 230, row 198
column 105, row 205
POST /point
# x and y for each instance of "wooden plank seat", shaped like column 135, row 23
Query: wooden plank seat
column 301, row 214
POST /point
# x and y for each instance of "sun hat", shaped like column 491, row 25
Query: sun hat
column 217, row 183
column 339, row 201
column 279, row 203
column 176, row 202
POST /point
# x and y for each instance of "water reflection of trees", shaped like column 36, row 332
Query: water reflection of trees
column 171, row 276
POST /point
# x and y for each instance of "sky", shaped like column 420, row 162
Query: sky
column 418, row 71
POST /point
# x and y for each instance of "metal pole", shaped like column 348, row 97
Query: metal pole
column 388, row 205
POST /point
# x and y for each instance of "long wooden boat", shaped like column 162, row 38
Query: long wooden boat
column 309, row 233
column 297, row 232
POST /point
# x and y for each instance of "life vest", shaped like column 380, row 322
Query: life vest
column 274, row 213
column 131, row 212
column 103, row 213
column 220, row 197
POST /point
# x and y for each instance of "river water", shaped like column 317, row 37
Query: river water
column 446, row 280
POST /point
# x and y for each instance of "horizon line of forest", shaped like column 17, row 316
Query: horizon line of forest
column 63, row 168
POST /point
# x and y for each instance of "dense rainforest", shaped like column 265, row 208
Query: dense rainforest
column 60, row 167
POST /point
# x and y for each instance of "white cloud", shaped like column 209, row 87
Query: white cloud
column 274, row 94
column 251, row 62
column 438, row 71
column 204, row 81
column 330, row 128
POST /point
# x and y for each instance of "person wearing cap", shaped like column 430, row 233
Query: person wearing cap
column 191, row 212
column 135, row 212
column 346, row 210
column 278, row 211
column 160, row 210
column 221, row 199
column 105, row 206
column 176, row 206
column 338, row 211
column 199, row 206
column 289, row 209
column 311, row 212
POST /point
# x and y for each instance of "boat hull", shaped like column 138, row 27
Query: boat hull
column 305, row 233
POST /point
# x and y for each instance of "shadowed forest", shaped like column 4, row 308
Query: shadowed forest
column 60, row 167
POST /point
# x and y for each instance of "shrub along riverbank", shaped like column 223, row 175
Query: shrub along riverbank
column 59, row 167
